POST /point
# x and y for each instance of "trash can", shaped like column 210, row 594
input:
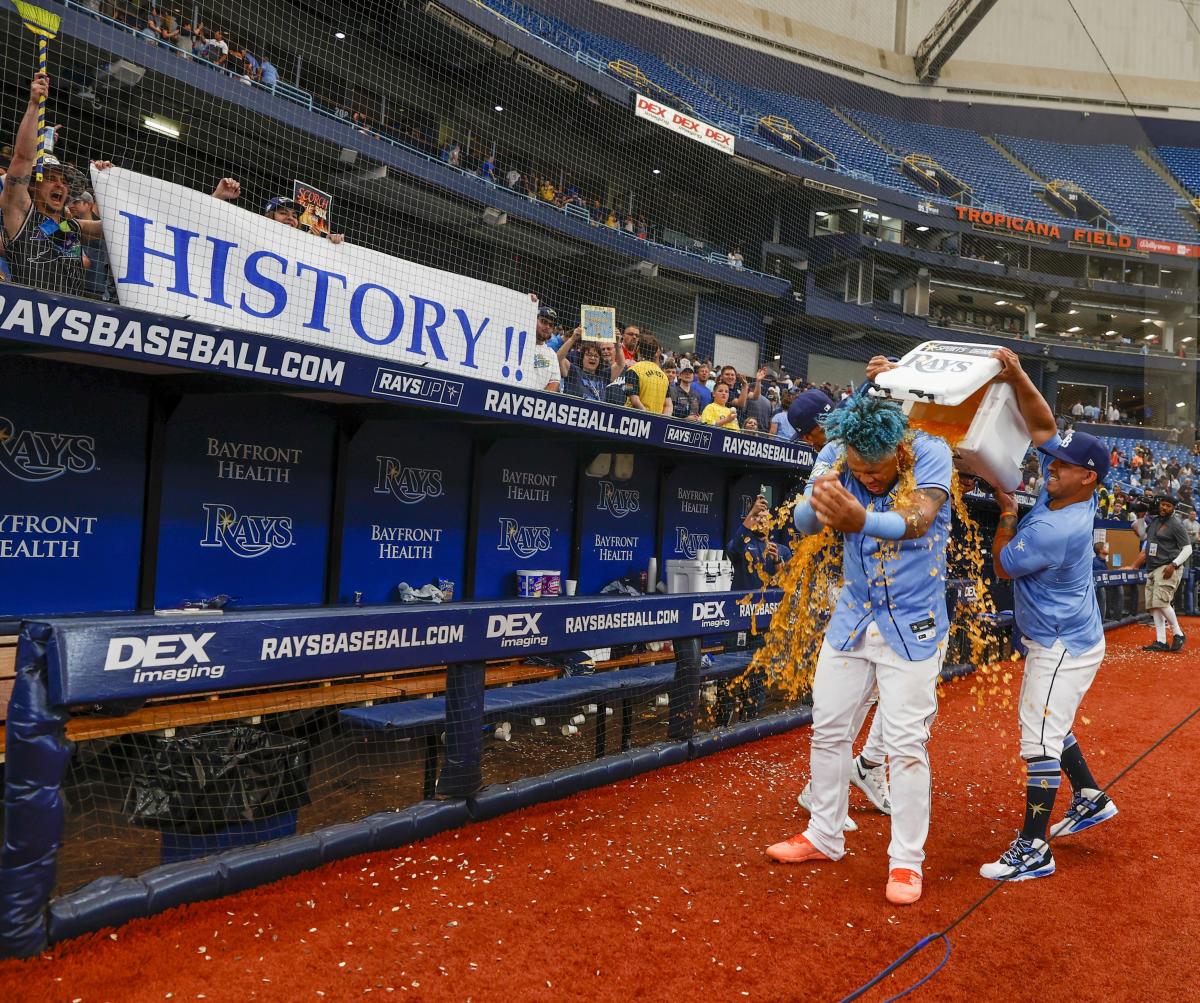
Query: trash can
column 206, row 783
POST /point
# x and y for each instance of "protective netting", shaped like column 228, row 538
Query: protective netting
column 668, row 181
column 182, row 780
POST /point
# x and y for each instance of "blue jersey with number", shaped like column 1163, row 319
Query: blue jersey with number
column 900, row 585
column 1050, row 562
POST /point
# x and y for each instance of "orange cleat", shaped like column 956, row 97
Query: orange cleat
column 903, row 887
column 795, row 851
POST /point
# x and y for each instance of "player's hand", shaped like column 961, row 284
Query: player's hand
column 1006, row 501
column 879, row 364
column 1168, row 571
column 102, row 165
column 39, row 89
column 336, row 238
column 836, row 507
column 1010, row 365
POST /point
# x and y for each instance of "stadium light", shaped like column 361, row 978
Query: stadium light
column 1146, row 320
column 339, row 35
column 1185, row 340
column 498, row 107
column 687, row 337
column 1001, row 302
column 164, row 127
column 1075, row 328
column 1109, row 334
column 922, row 229
column 1181, row 403
column 656, row 171
column 1072, row 312
column 1039, row 325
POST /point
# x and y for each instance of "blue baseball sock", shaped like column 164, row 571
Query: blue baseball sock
column 1042, row 777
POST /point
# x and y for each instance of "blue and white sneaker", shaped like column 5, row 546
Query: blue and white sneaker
column 1024, row 860
column 1083, row 814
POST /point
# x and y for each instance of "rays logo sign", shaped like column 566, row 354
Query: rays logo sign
column 619, row 502
column 690, row 544
column 244, row 535
column 524, row 541
column 34, row 456
column 408, row 485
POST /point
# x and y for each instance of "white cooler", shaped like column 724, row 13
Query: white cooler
column 950, row 385
column 699, row 576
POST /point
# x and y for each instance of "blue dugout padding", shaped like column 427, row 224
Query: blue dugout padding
column 95, row 660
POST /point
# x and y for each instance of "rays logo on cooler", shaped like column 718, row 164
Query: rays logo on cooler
column 524, row 541
column 406, row 484
column 690, row 544
column 42, row 456
column 618, row 501
column 244, row 535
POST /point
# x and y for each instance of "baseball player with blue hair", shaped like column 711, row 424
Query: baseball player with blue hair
column 1049, row 558
column 868, row 772
column 885, row 490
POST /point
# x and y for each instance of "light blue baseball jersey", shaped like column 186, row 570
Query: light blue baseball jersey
column 1050, row 562
column 901, row 584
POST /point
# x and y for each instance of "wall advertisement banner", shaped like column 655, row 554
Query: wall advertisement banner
column 72, row 486
column 247, row 493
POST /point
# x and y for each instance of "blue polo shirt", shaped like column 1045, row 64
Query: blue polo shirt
column 1050, row 563
column 900, row 585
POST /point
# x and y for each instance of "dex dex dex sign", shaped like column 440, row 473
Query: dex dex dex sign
column 685, row 125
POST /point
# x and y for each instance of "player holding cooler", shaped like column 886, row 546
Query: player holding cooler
column 1049, row 558
column 888, row 626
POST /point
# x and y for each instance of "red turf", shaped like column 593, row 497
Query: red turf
column 658, row 889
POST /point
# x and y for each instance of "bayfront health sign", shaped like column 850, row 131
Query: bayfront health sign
column 182, row 253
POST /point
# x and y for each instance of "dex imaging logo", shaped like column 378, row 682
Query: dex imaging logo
column 33, row 456
column 618, row 501
column 244, row 535
column 517, row 630
column 710, row 614
column 524, row 541
column 406, row 484
column 690, row 544
column 163, row 657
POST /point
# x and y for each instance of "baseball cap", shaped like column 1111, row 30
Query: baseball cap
column 685, row 364
column 1081, row 450
column 804, row 411
column 548, row 312
column 283, row 202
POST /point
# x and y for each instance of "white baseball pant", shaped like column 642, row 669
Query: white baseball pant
column 907, row 708
column 1052, row 689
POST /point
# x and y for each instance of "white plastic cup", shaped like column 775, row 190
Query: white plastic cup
column 538, row 722
column 569, row 587
column 570, row 729
column 578, row 719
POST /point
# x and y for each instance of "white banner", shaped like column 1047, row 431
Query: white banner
column 180, row 252
column 685, row 125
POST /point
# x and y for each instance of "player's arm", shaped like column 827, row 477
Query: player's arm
column 1006, row 529
column 837, row 508
column 1022, row 550
column 1039, row 419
